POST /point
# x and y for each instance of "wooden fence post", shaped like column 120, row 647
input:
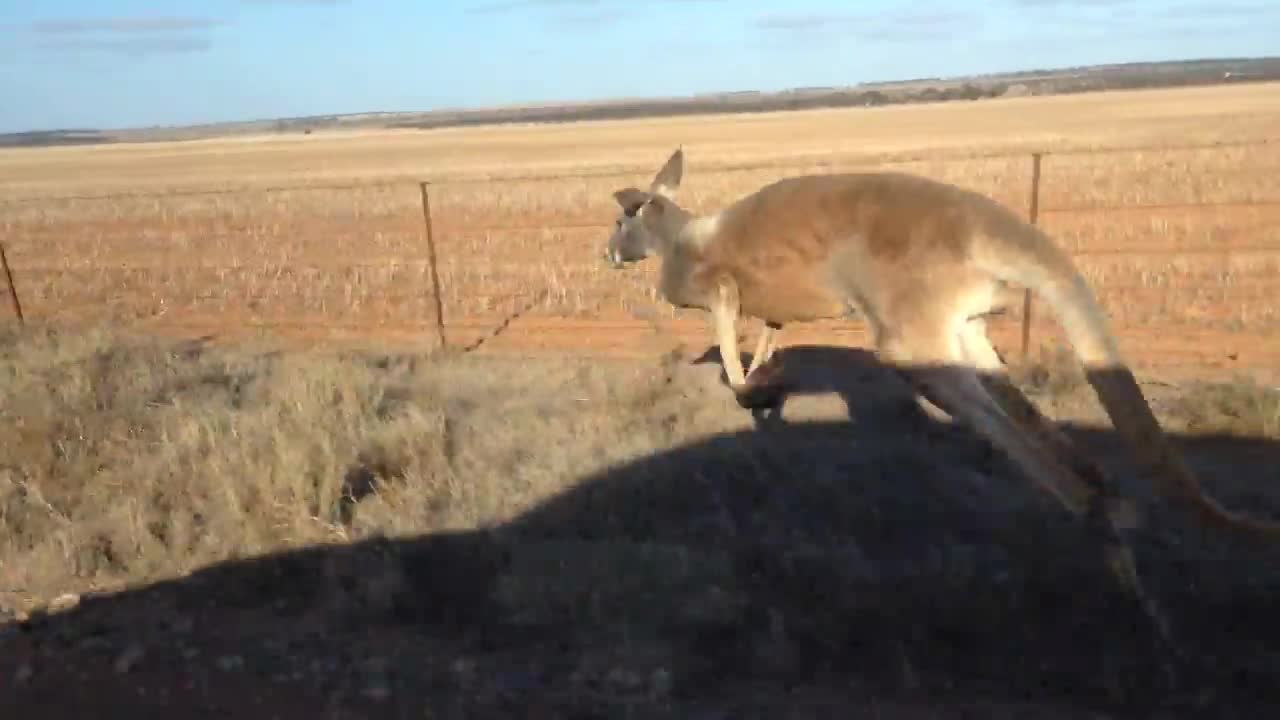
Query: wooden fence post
column 1034, row 215
column 13, row 289
column 431, row 255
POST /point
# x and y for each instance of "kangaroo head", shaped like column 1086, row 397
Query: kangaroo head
column 647, row 217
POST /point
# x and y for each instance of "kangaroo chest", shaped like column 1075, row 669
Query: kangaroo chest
column 684, row 284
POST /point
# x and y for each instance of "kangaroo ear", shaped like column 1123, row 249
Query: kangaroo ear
column 631, row 199
column 667, row 181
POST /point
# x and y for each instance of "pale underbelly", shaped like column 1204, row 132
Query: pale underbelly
column 782, row 306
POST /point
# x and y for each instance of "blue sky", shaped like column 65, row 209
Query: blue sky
column 129, row 63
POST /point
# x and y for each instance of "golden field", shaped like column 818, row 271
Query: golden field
column 224, row 238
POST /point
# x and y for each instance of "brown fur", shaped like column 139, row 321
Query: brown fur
column 793, row 242
column 923, row 261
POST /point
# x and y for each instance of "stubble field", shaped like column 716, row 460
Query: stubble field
column 237, row 478
column 1183, row 245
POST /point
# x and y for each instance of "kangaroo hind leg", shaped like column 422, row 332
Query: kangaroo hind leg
column 981, row 354
column 933, row 358
column 1108, row 513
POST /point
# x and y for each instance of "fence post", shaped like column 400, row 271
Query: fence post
column 1034, row 215
column 13, row 289
column 431, row 255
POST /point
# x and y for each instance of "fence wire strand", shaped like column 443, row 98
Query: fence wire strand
column 780, row 164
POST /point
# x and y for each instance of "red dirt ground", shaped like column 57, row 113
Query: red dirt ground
column 1168, row 353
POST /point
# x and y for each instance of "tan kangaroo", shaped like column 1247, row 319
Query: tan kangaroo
column 924, row 262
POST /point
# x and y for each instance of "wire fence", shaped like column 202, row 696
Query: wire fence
column 404, row 264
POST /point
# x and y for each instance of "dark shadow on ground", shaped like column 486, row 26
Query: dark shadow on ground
column 867, row 387
column 808, row 567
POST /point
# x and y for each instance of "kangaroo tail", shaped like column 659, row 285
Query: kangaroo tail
column 1028, row 257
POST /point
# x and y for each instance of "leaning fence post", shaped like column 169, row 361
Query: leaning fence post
column 431, row 255
column 1034, row 215
column 13, row 289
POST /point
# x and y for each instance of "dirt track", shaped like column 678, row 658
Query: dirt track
column 1167, row 353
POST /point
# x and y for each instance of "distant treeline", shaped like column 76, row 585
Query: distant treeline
column 926, row 90
column 1147, row 75
column 50, row 138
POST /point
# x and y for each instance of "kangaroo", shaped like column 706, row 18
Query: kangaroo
column 925, row 263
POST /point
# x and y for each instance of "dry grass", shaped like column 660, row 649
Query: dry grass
column 1053, row 371
column 133, row 459
column 1241, row 407
column 309, row 261
column 659, row 554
